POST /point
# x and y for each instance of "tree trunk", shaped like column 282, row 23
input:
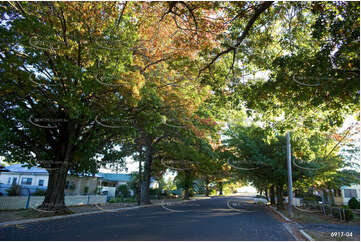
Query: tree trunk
column 330, row 198
column 186, row 192
column 187, row 184
column 207, row 186
column 139, row 192
column 139, row 185
column 266, row 194
column 54, row 197
column 323, row 195
column 272, row 194
column 147, row 174
column 220, row 187
column 279, row 191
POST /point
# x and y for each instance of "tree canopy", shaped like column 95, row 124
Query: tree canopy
column 86, row 84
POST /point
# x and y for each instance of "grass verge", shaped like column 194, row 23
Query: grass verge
column 318, row 217
column 326, row 236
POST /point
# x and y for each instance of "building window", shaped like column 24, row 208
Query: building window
column 26, row 181
column 337, row 193
column 9, row 180
column 350, row 193
column 41, row 183
column 15, row 180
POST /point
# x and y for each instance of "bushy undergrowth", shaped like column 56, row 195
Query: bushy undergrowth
column 346, row 214
column 122, row 200
column 353, row 203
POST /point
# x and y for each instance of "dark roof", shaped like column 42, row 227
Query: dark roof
column 3, row 169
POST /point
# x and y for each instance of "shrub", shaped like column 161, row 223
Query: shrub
column 191, row 193
column 227, row 190
column 86, row 189
column 155, row 193
column 353, row 203
column 39, row 192
column 312, row 197
column 122, row 200
column 213, row 192
column 122, row 190
column 14, row 190
column 346, row 215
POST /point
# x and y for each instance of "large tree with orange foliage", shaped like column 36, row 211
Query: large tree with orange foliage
column 79, row 76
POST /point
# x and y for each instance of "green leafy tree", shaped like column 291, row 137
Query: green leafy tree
column 14, row 190
column 51, row 96
column 259, row 156
column 122, row 190
column 353, row 203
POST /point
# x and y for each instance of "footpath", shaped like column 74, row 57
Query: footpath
column 305, row 226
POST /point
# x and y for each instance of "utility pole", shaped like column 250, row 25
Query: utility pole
column 289, row 167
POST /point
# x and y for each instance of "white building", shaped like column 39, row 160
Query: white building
column 345, row 193
column 109, row 182
column 35, row 178
column 18, row 174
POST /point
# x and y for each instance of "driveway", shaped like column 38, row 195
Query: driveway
column 225, row 218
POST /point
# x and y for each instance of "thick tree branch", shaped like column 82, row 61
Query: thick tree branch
column 154, row 63
column 259, row 10
column 121, row 14
column 192, row 14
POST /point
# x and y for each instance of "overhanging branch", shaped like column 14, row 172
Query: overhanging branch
column 261, row 8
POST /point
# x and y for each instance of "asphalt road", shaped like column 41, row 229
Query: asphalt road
column 226, row 218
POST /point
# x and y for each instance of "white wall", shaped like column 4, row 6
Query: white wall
column 296, row 201
column 354, row 186
column 110, row 190
column 122, row 183
column 19, row 202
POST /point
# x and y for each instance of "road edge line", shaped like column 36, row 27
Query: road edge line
column 290, row 231
column 280, row 214
column 307, row 236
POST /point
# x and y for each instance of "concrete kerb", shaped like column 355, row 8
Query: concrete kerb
column 33, row 220
column 280, row 214
column 306, row 235
column 288, row 228
column 286, row 225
